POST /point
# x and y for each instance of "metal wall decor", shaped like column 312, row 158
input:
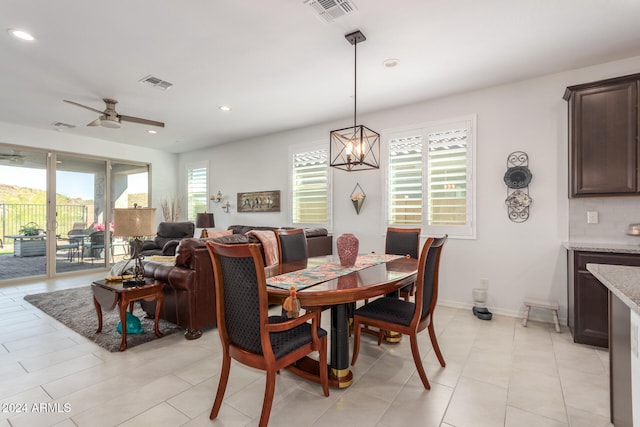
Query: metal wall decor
column 517, row 179
column 357, row 198
column 259, row 201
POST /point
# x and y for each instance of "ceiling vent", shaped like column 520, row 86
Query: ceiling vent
column 61, row 125
column 156, row 82
column 330, row 10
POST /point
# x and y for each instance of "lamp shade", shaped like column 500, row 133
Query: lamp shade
column 134, row 222
column 205, row 220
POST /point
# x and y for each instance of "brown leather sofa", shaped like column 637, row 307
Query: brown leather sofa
column 189, row 294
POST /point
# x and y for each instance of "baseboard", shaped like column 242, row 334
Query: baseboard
column 535, row 315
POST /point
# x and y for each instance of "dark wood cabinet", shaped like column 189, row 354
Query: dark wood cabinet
column 588, row 306
column 603, row 134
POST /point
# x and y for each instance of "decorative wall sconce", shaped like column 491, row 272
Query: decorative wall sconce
column 517, row 178
column 217, row 198
column 357, row 198
column 225, row 206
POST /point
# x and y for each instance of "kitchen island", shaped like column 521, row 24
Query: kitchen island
column 587, row 298
column 623, row 285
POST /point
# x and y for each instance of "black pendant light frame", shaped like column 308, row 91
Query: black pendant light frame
column 358, row 147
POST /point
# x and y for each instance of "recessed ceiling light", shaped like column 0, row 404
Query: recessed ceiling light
column 224, row 108
column 390, row 63
column 22, row 35
column 152, row 132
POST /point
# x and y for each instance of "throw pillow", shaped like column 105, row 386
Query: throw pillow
column 122, row 267
column 219, row 233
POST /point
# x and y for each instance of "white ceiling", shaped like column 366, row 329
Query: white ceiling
column 277, row 64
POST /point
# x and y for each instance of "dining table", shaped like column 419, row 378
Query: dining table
column 322, row 283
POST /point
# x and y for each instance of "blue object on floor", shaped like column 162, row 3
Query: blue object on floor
column 134, row 326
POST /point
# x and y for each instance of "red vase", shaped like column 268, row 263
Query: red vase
column 348, row 245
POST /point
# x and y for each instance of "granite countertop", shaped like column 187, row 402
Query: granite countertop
column 623, row 281
column 624, row 248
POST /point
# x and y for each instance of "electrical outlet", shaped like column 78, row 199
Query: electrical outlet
column 484, row 283
column 592, row 217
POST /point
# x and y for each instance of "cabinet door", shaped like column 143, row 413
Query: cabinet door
column 603, row 130
column 588, row 310
column 591, row 322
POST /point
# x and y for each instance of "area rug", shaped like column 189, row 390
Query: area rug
column 75, row 309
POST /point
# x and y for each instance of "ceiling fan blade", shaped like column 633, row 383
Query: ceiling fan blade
column 141, row 121
column 96, row 122
column 83, row 106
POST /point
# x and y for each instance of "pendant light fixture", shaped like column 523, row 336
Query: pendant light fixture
column 355, row 148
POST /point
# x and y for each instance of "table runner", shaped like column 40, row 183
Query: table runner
column 324, row 272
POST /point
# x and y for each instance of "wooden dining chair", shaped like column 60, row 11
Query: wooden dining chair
column 406, row 317
column 248, row 334
column 403, row 241
column 292, row 249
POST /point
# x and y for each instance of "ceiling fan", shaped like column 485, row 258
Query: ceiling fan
column 111, row 119
column 15, row 157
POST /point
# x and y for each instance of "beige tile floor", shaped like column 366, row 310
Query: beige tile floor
column 498, row 374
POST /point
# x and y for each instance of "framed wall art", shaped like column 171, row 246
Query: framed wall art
column 259, row 201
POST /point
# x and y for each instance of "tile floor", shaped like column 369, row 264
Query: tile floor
column 498, row 374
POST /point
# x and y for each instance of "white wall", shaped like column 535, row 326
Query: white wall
column 163, row 165
column 524, row 259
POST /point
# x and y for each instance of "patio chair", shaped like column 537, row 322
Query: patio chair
column 96, row 245
column 72, row 245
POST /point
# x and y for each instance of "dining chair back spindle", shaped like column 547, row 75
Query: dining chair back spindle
column 406, row 317
column 247, row 332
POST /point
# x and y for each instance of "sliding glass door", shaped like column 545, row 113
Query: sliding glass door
column 56, row 211
column 81, row 216
column 129, row 187
column 23, row 213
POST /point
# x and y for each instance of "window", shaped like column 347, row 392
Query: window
column 196, row 190
column 429, row 178
column 310, row 186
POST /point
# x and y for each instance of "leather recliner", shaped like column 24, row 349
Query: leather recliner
column 168, row 237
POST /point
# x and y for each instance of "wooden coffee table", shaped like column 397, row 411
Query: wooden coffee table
column 109, row 295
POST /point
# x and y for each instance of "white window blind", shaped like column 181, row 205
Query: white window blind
column 310, row 187
column 196, row 191
column 429, row 179
column 405, row 181
column 447, row 178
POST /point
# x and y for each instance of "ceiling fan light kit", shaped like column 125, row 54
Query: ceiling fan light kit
column 358, row 147
column 110, row 118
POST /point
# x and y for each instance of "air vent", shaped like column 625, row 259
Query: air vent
column 330, row 10
column 61, row 125
column 156, row 82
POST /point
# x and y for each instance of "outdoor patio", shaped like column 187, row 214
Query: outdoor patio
column 13, row 267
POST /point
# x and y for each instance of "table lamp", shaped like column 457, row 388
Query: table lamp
column 134, row 222
column 204, row 221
